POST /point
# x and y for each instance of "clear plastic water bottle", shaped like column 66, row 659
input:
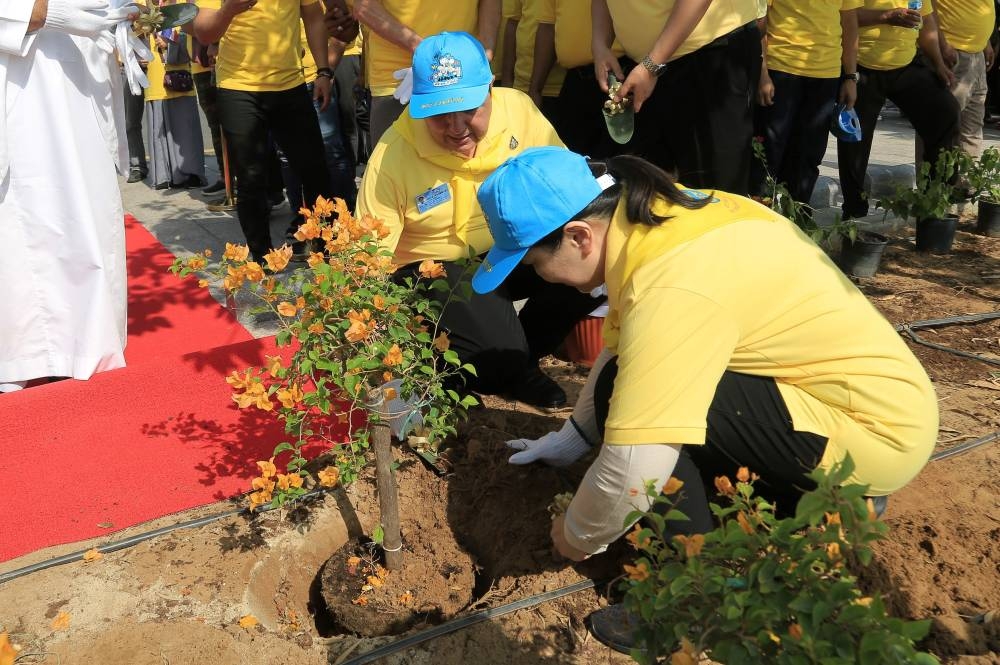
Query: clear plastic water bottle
column 916, row 5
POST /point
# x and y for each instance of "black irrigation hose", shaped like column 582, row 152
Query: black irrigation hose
column 136, row 539
column 965, row 447
column 910, row 328
column 466, row 621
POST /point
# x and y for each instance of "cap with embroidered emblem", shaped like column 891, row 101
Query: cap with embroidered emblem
column 527, row 198
column 450, row 73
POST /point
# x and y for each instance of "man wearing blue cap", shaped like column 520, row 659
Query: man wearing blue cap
column 714, row 359
column 421, row 181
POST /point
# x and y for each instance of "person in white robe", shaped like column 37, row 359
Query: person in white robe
column 62, row 236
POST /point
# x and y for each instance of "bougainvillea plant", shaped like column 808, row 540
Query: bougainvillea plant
column 763, row 589
column 351, row 329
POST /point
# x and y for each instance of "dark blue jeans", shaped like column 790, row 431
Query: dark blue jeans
column 338, row 160
column 795, row 131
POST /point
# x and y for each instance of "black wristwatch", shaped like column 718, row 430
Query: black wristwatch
column 851, row 77
column 654, row 68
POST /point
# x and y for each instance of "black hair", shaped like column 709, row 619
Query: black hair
column 641, row 183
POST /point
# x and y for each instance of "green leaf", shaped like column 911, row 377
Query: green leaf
column 282, row 447
column 470, row 369
column 378, row 535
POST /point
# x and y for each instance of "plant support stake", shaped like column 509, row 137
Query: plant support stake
column 388, row 497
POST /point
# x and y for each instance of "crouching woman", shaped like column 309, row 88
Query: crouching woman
column 732, row 340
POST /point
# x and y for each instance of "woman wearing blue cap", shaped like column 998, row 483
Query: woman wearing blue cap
column 717, row 356
column 421, row 181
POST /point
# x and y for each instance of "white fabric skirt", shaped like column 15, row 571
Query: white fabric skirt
column 62, row 233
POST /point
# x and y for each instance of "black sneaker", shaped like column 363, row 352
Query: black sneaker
column 613, row 626
column 136, row 174
column 537, row 389
column 215, row 188
column 191, row 182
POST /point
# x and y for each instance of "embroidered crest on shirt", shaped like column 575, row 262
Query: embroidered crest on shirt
column 445, row 70
column 513, row 143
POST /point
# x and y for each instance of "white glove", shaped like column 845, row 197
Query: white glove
column 560, row 448
column 86, row 18
column 405, row 88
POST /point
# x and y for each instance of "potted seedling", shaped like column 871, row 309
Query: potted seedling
column 984, row 178
column 860, row 251
column 928, row 203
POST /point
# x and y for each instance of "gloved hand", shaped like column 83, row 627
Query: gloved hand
column 86, row 18
column 405, row 88
column 560, row 448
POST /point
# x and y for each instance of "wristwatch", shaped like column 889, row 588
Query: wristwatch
column 654, row 68
column 851, row 77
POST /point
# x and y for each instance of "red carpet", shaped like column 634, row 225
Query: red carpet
column 87, row 458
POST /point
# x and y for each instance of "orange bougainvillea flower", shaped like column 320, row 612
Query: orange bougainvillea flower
column 833, row 551
column 290, row 396
column 741, row 517
column 273, row 365
column 265, row 485
column 315, row 259
column 431, row 269
column 637, row 542
column 287, row 309
column 692, row 544
column 253, row 272
column 267, row 468
column 638, row 572
column 378, row 302
column 286, row 481
column 390, row 394
column 236, row 252
column 394, row 356
column 360, row 328
column 387, row 376
column 258, row 499
column 309, row 230
column 197, row 262
column 795, row 631
column 8, row 652
column 724, row 486
column 278, row 258
column 329, row 476
column 442, row 343
column 686, row 655
column 316, row 327
column 324, row 207
column 743, row 474
column 672, row 486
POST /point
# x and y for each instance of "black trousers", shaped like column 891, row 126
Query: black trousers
column 501, row 344
column 582, row 126
column 134, row 107
column 795, row 128
column 698, row 122
column 249, row 120
column 921, row 96
column 208, row 100
column 345, row 78
column 748, row 425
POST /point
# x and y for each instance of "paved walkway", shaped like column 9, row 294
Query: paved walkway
column 180, row 220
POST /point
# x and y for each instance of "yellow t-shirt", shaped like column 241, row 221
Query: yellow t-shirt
column 884, row 46
column 156, row 69
column 637, row 23
column 700, row 295
column 804, row 36
column 357, row 46
column 426, row 18
column 574, row 28
column 256, row 53
column 967, row 24
column 424, row 193
column 308, row 62
column 530, row 15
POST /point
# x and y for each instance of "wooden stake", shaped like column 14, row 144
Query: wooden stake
column 388, row 497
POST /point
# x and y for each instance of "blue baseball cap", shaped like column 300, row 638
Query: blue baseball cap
column 527, row 198
column 845, row 124
column 450, row 73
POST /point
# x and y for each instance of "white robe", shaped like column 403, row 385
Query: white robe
column 62, row 234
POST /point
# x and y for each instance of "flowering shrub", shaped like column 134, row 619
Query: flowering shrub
column 352, row 330
column 759, row 589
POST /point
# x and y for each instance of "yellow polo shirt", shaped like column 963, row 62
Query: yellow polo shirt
column 884, row 46
column 574, row 28
column 638, row 23
column 258, row 51
column 804, row 36
column 528, row 14
column 699, row 295
column 426, row 18
column 967, row 24
column 425, row 194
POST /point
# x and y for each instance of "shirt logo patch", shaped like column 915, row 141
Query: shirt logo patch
column 445, row 70
column 513, row 143
column 432, row 198
column 698, row 196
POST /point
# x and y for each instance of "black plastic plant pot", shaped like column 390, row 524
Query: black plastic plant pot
column 989, row 219
column 861, row 258
column 936, row 235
